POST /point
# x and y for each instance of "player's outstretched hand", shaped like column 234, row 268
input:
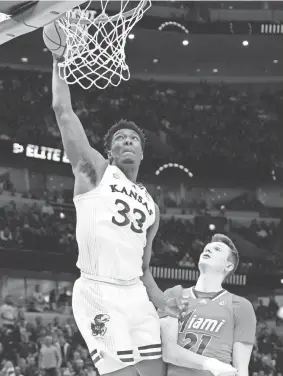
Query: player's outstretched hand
column 218, row 368
column 58, row 58
column 174, row 308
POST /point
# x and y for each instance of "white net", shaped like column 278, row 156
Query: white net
column 95, row 43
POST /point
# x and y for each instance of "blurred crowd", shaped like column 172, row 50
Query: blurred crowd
column 244, row 122
column 267, row 354
column 39, row 349
column 179, row 242
column 56, row 348
column 36, row 227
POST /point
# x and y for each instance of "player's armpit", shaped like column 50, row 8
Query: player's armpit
column 241, row 357
column 172, row 352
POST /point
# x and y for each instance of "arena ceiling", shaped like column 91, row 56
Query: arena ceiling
column 162, row 53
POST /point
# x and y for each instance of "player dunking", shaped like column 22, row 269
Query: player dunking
column 216, row 328
column 116, row 223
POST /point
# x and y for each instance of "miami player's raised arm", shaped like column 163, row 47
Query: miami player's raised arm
column 74, row 139
column 244, row 334
column 155, row 295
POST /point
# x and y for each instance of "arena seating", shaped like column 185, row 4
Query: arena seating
column 244, row 126
column 179, row 241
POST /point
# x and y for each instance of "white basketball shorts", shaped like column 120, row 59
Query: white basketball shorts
column 119, row 324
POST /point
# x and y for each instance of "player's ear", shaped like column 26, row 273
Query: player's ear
column 229, row 267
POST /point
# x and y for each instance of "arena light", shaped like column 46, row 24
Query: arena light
column 215, row 70
column 174, row 165
column 185, row 42
column 24, row 59
column 131, row 36
column 155, row 61
column 172, row 25
column 275, row 61
column 273, row 175
column 245, row 43
column 45, row 49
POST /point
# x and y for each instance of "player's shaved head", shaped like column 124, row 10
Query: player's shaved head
column 123, row 124
column 234, row 254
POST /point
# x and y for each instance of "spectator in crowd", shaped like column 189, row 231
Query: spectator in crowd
column 8, row 369
column 8, row 313
column 38, row 299
column 261, row 311
column 32, row 369
column 272, row 307
column 49, row 358
column 65, row 350
column 26, row 347
column 6, row 237
column 47, row 208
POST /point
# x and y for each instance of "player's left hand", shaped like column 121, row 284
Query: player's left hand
column 172, row 308
column 174, row 304
column 176, row 308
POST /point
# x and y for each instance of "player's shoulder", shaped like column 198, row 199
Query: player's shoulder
column 241, row 303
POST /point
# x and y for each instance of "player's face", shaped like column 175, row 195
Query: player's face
column 215, row 257
column 126, row 147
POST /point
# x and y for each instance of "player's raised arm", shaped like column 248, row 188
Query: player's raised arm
column 76, row 145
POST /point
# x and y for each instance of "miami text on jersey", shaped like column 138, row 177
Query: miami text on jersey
column 130, row 193
column 193, row 321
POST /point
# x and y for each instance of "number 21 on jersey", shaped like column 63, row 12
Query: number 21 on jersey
column 196, row 343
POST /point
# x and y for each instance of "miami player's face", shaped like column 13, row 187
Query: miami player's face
column 126, row 148
column 215, row 257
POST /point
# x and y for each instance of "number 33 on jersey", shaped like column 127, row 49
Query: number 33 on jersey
column 112, row 224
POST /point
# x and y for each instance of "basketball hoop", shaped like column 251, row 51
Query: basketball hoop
column 95, row 43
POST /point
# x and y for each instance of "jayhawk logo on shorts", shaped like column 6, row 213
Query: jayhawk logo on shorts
column 98, row 327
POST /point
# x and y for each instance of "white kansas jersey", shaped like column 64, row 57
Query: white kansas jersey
column 112, row 223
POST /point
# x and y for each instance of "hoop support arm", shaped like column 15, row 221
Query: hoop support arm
column 38, row 15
